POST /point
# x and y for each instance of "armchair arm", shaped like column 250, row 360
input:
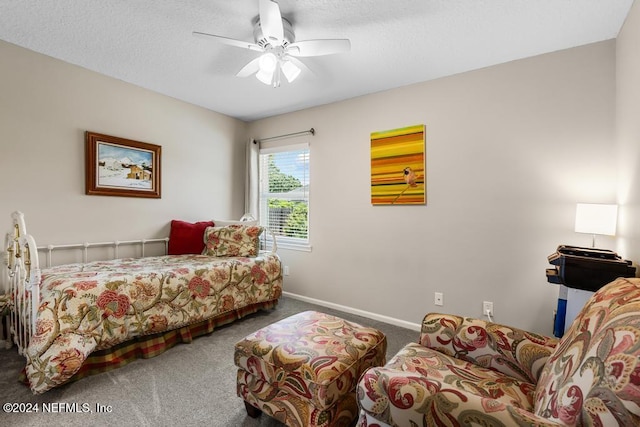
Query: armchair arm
column 400, row 398
column 505, row 349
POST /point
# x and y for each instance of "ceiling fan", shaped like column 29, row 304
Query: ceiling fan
column 275, row 39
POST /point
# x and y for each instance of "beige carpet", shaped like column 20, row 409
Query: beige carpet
column 189, row 385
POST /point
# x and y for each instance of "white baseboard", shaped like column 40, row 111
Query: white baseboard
column 358, row 312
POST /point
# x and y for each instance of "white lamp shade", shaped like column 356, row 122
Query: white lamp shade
column 264, row 76
column 267, row 65
column 290, row 70
column 268, row 62
column 596, row 218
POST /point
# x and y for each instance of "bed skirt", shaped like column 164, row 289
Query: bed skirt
column 148, row 346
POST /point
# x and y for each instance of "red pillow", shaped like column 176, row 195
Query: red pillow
column 187, row 238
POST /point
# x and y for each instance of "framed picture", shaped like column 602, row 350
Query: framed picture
column 398, row 172
column 121, row 167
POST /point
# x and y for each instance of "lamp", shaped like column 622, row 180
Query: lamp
column 271, row 66
column 290, row 70
column 596, row 219
column 267, row 64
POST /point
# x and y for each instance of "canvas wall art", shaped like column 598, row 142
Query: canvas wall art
column 121, row 167
column 398, row 173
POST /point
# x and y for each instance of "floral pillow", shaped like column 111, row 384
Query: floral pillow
column 232, row 240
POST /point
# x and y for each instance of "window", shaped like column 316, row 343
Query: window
column 284, row 194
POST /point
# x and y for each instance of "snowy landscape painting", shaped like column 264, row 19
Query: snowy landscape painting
column 122, row 167
column 116, row 166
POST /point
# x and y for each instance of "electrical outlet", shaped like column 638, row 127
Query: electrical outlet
column 286, row 270
column 438, row 298
column 487, row 308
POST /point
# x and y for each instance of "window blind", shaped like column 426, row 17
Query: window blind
column 284, row 192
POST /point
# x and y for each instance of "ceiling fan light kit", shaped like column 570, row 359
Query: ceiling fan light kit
column 274, row 37
column 271, row 65
column 290, row 71
column 268, row 62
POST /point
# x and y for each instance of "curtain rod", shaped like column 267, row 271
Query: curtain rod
column 311, row 131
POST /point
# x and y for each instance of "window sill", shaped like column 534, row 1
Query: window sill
column 291, row 246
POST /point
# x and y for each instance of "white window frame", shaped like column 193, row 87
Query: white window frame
column 283, row 242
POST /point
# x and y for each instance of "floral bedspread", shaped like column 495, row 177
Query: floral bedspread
column 89, row 307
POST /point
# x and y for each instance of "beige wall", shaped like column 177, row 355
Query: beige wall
column 510, row 150
column 45, row 107
column 628, row 133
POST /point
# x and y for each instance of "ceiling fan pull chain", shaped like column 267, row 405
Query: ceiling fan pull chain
column 276, row 81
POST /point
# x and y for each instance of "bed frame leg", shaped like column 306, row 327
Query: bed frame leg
column 252, row 411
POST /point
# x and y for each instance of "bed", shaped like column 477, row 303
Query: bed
column 74, row 320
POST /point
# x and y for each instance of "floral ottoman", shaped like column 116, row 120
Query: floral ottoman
column 303, row 370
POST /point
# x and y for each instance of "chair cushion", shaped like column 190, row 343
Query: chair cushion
column 593, row 377
column 312, row 355
column 514, row 352
column 426, row 387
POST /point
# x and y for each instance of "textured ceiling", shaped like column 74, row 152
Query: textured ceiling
column 393, row 43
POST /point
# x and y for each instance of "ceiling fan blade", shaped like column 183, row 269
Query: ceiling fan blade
column 271, row 21
column 249, row 69
column 319, row 47
column 228, row 41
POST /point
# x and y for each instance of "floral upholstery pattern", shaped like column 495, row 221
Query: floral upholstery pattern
column 460, row 369
column 94, row 306
column 466, row 371
column 593, row 377
column 294, row 410
column 6, row 304
column 232, row 240
column 303, row 370
column 511, row 351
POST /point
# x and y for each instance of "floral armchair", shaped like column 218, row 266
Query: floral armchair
column 466, row 371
